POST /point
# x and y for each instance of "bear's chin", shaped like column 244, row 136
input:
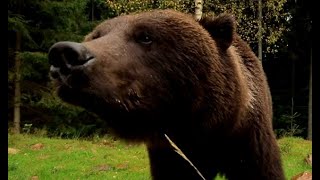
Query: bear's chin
column 133, row 126
column 89, row 101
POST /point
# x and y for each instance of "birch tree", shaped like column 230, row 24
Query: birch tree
column 198, row 9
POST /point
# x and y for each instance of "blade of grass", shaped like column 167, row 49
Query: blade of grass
column 179, row 151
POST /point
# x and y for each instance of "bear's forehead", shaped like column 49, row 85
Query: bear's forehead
column 156, row 20
column 151, row 18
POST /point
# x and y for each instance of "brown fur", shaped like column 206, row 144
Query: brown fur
column 197, row 82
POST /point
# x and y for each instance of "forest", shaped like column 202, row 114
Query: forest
column 35, row 25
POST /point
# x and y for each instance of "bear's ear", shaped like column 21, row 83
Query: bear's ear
column 221, row 28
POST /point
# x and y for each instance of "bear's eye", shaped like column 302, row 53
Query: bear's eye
column 144, row 38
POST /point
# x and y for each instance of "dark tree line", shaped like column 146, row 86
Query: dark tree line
column 33, row 26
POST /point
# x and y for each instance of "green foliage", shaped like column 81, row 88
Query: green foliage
column 34, row 66
column 64, row 120
column 287, row 122
column 16, row 23
column 291, row 128
column 134, row 6
column 34, row 77
column 59, row 21
column 274, row 20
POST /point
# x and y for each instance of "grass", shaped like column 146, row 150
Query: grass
column 294, row 151
column 75, row 159
column 44, row 158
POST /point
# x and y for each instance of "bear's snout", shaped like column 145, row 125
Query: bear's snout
column 65, row 56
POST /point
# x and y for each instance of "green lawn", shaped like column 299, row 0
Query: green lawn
column 44, row 158
column 294, row 151
column 75, row 159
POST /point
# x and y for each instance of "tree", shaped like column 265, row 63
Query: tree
column 310, row 101
column 17, row 24
column 17, row 90
column 33, row 26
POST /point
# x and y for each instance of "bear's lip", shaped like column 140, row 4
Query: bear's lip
column 56, row 75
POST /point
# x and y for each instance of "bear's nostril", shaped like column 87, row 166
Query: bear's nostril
column 66, row 54
column 55, row 58
column 72, row 56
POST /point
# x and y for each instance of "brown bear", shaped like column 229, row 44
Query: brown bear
column 161, row 72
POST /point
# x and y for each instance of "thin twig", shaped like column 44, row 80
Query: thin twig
column 178, row 150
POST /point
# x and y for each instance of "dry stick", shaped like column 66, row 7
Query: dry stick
column 178, row 150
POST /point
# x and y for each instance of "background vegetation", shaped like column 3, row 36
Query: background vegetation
column 34, row 25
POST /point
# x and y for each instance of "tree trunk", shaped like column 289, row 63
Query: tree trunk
column 310, row 102
column 293, row 87
column 198, row 9
column 17, row 91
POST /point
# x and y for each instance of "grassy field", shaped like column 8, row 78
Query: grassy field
column 34, row 157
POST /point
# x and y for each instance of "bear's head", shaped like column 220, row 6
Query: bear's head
column 144, row 73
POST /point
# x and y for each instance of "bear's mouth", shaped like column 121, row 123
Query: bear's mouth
column 75, row 88
column 70, row 87
column 119, row 120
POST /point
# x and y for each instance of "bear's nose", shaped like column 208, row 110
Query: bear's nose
column 65, row 55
